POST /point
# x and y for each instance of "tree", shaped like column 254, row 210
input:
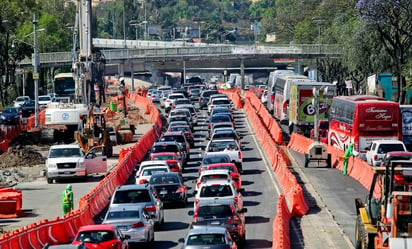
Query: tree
column 392, row 20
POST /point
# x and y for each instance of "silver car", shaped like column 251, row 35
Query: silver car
column 210, row 237
column 133, row 221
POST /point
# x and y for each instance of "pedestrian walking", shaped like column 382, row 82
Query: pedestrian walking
column 67, row 199
column 348, row 153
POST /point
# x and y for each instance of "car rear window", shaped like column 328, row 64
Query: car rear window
column 210, row 160
column 206, row 239
column 165, row 148
column 95, row 236
column 164, row 157
column 208, row 93
column 131, row 196
column 124, row 214
column 208, row 212
column 385, row 148
column 216, row 191
column 221, row 102
column 229, row 168
column 220, row 118
column 149, row 172
column 164, row 179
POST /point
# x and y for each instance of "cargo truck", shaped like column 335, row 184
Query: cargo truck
column 302, row 108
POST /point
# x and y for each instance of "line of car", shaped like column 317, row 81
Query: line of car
column 137, row 210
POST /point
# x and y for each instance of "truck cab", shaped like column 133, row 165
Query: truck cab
column 69, row 161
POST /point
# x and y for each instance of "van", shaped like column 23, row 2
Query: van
column 270, row 94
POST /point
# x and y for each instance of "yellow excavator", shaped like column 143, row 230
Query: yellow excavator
column 94, row 132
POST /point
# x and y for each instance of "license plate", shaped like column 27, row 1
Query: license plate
column 124, row 228
column 163, row 192
column 215, row 222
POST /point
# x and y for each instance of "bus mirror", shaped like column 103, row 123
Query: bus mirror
column 389, row 210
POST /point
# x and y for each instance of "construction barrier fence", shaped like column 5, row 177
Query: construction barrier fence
column 61, row 229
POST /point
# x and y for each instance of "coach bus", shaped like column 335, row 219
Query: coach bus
column 361, row 119
column 282, row 94
column 64, row 85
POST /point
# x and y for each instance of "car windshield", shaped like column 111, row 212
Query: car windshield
column 95, row 236
column 216, row 191
column 131, row 196
column 217, row 159
column 65, row 152
column 179, row 128
column 44, row 98
column 385, row 148
column 214, row 176
column 21, row 99
column 206, row 239
column 10, row 110
column 209, row 212
column 123, row 214
column 164, row 157
column 224, row 135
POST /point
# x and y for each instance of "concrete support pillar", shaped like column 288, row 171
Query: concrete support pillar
column 120, row 69
column 242, row 72
column 132, row 74
column 184, row 72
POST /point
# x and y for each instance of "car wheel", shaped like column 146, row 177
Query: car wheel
column 49, row 180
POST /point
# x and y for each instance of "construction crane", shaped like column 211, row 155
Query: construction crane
column 384, row 220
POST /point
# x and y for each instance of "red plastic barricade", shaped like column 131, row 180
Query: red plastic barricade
column 299, row 143
column 281, row 239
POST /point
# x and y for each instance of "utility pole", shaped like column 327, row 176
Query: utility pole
column 36, row 63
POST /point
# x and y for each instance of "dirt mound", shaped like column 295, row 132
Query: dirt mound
column 20, row 156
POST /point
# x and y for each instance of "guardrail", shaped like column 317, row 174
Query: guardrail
column 206, row 49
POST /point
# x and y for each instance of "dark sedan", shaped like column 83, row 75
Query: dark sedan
column 11, row 115
column 170, row 188
column 27, row 108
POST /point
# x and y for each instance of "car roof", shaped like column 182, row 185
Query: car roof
column 65, row 146
column 165, row 142
column 216, row 202
column 163, row 153
column 125, row 208
column 153, row 162
column 388, row 142
column 97, row 227
column 216, row 181
column 171, row 173
column 173, row 133
column 132, row 187
column 156, row 167
column 214, row 172
column 216, row 155
column 207, row 230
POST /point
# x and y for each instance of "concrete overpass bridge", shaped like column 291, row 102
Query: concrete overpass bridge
column 143, row 56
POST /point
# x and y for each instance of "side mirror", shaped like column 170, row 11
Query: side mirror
column 181, row 240
column 191, row 213
column 194, row 192
column 389, row 210
column 243, row 210
column 126, row 237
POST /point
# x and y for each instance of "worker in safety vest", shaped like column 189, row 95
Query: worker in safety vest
column 67, row 199
column 348, row 153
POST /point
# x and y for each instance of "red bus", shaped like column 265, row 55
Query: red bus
column 361, row 119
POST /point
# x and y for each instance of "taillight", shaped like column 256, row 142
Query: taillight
column 195, row 115
column 239, row 155
column 150, row 208
column 138, row 224
column 236, row 200
column 173, row 107
column 201, row 99
column 233, row 221
column 180, row 190
column 375, row 157
column 285, row 106
column 143, row 181
column 210, row 126
column 168, row 100
column 196, row 202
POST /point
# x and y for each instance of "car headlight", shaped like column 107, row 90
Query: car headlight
column 52, row 165
column 82, row 165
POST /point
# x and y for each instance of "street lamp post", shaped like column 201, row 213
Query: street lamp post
column 255, row 21
column 136, row 24
column 319, row 22
column 36, row 63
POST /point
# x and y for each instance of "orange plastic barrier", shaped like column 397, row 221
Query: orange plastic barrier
column 11, row 201
column 281, row 239
column 299, row 143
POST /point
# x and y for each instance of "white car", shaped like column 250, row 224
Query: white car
column 147, row 173
column 219, row 102
column 170, row 100
column 215, row 174
column 264, row 97
column 44, row 100
column 153, row 163
column 69, row 161
column 221, row 189
column 20, row 100
column 379, row 148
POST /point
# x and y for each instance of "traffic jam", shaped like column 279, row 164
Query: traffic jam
column 138, row 209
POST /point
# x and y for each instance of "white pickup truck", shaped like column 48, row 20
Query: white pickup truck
column 69, row 161
column 226, row 146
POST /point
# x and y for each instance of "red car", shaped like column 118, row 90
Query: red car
column 101, row 237
column 231, row 167
column 171, row 158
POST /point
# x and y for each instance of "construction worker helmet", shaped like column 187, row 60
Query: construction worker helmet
column 69, row 187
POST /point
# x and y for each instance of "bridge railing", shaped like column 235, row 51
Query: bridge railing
column 205, row 49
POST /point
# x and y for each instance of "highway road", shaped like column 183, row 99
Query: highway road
column 335, row 192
